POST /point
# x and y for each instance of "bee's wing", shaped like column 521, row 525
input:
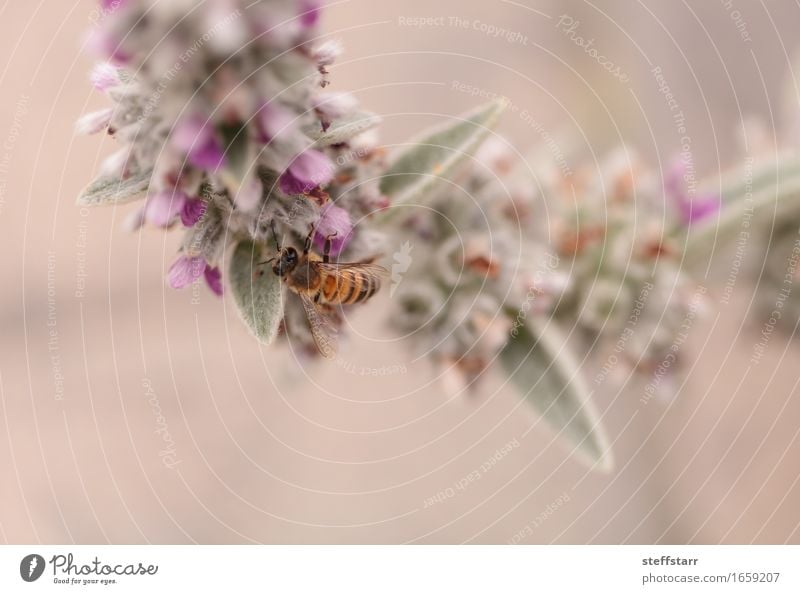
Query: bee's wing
column 355, row 268
column 322, row 329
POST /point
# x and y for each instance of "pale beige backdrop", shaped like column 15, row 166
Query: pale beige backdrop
column 265, row 453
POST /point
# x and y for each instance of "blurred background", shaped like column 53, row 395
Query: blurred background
column 132, row 413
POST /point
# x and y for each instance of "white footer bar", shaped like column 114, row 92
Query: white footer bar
column 389, row 569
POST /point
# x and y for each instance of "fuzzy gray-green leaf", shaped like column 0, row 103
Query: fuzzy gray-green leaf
column 437, row 154
column 540, row 366
column 342, row 129
column 258, row 296
column 107, row 190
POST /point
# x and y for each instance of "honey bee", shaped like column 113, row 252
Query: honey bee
column 321, row 285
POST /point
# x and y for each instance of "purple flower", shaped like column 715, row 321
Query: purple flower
column 274, row 120
column 309, row 12
column 691, row 208
column 104, row 76
column 333, row 220
column 195, row 136
column 186, row 270
column 699, row 208
column 214, row 279
column 192, row 211
column 308, row 170
column 163, row 207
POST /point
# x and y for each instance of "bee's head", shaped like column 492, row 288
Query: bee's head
column 287, row 260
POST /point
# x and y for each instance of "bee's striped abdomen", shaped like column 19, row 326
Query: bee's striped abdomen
column 347, row 289
column 369, row 285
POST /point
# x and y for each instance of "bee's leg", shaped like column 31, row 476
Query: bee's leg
column 309, row 238
column 326, row 254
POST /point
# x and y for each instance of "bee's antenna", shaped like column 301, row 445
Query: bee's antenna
column 265, row 262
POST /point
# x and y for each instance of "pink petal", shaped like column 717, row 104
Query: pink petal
column 162, row 207
column 333, row 220
column 92, row 123
column 274, row 120
column 214, row 279
column 309, row 12
column 184, row 271
column 104, row 76
column 309, row 169
column 691, row 209
column 699, row 208
column 188, row 131
column 192, row 211
column 195, row 136
column 289, row 184
column 208, row 156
